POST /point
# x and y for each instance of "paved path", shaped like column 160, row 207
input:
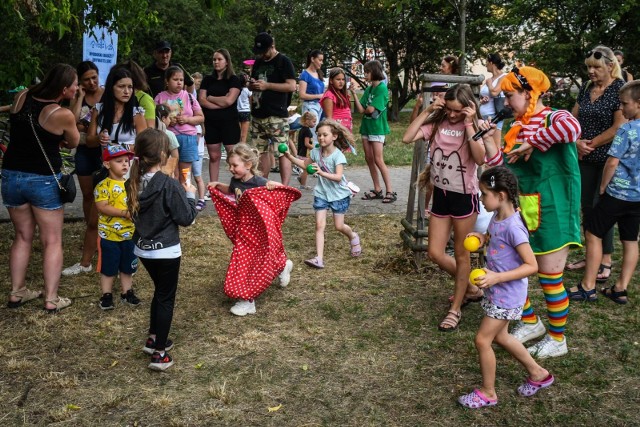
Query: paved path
column 359, row 175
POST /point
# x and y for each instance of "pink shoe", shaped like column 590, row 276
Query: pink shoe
column 476, row 399
column 314, row 262
column 531, row 387
column 356, row 249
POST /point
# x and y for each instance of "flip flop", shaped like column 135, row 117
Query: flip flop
column 601, row 271
column 476, row 399
column 576, row 265
column 531, row 387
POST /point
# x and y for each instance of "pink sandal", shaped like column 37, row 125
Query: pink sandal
column 476, row 399
column 315, row 262
column 356, row 249
column 531, row 387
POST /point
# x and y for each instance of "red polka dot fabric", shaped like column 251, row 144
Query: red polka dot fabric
column 254, row 226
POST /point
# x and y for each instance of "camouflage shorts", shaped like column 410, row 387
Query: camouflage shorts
column 270, row 130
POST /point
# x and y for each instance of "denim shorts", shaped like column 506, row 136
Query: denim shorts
column 196, row 166
column 40, row 191
column 337, row 206
column 188, row 150
column 88, row 160
column 114, row 257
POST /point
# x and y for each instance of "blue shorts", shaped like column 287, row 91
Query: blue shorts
column 337, row 206
column 196, row 167
column 40, row 191
column 114, row 257
column 188, row 150
column 88, row 160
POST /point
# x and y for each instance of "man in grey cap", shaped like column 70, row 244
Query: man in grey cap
column 155, row 71
column 273, row 80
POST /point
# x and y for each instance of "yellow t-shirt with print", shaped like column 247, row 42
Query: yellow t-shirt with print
column 114, row 228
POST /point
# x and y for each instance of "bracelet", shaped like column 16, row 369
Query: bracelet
column 468, row 124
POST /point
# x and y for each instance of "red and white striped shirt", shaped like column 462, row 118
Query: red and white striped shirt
column 563, row 128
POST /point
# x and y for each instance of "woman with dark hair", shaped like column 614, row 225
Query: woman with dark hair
column 218, row 97
column 449, row 65
column 88, row 160
column 117, row 119
column 38, row 125
column 597, row 109
column 311, row 85
column 142, row 88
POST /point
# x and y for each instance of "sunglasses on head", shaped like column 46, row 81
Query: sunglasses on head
column 524, row 84
column 598, row 55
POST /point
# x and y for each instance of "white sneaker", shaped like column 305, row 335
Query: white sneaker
column 285, row 276
column 524, row 332
column 207, row 196
column 244, row 307
column 548, row 347
column 76, row 269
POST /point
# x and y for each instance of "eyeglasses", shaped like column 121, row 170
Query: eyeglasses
column 598, row 55
column 524, row 84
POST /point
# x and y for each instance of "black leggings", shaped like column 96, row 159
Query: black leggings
column 164, row 273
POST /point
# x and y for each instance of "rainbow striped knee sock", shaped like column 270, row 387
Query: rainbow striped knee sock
column 557, row 303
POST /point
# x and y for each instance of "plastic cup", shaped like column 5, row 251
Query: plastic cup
column 283, row 148
column 311, row 170
column 472, row 243
column 185, row 174
column 475, row 273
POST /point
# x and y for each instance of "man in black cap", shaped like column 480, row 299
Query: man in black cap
column 273, row 80
column 155, row 71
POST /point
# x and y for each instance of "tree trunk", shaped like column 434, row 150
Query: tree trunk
column 463, row 41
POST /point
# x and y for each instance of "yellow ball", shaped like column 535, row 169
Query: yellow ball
column 472, row 243
column 475, row 273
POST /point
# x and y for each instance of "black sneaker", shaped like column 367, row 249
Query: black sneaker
column 106, row 302
column 130, row 298
column 160, row 362
column 150, row 346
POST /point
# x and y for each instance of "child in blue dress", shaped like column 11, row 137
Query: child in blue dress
column 510, row 260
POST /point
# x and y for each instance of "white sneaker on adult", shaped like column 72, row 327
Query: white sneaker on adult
column 285, row 276
column 76, row 269
column 244, row 307
column 548, row 347
column 524, row 332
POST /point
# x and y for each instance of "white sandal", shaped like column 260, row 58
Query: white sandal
column 59, row 302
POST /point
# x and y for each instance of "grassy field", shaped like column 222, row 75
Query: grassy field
column 355, row 344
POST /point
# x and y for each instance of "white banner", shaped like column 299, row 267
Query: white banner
column 102, row 49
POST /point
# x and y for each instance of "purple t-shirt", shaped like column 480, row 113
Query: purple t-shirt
column 502, row 256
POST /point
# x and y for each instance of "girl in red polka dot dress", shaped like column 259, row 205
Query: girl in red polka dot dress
column 331, row 191
column 258, row 250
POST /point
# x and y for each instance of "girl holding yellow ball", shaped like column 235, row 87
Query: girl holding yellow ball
column 510, row 260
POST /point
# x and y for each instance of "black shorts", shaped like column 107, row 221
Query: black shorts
column 244, row 116
column 609, row 211
column 226, row 132
column 454, row 205
column 88, row 160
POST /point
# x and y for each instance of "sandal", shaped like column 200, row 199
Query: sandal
column 200, row 205
column 450, row 322
column 531, row 387
column 356, row 249
column 577, row 265
column 476, row 399
column 60, row 303
column 390, row 197
column 314, row 262
column 582, row 295
column 617, row 297
column 25, row 295
column 373, row 195
column 477, row 297
column 601, row 271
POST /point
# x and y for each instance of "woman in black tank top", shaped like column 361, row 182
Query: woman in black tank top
column 29, row 192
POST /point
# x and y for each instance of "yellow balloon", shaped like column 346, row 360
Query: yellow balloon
column 472, row 243
column 475, row 273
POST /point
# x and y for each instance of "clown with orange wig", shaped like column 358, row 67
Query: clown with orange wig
column 539, row 147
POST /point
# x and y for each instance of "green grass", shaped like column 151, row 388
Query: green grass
column 354, row 344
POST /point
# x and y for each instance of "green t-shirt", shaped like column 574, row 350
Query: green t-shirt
column 146, row 101
column 378, row 97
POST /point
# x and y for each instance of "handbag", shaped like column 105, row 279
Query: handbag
column 66, row 183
